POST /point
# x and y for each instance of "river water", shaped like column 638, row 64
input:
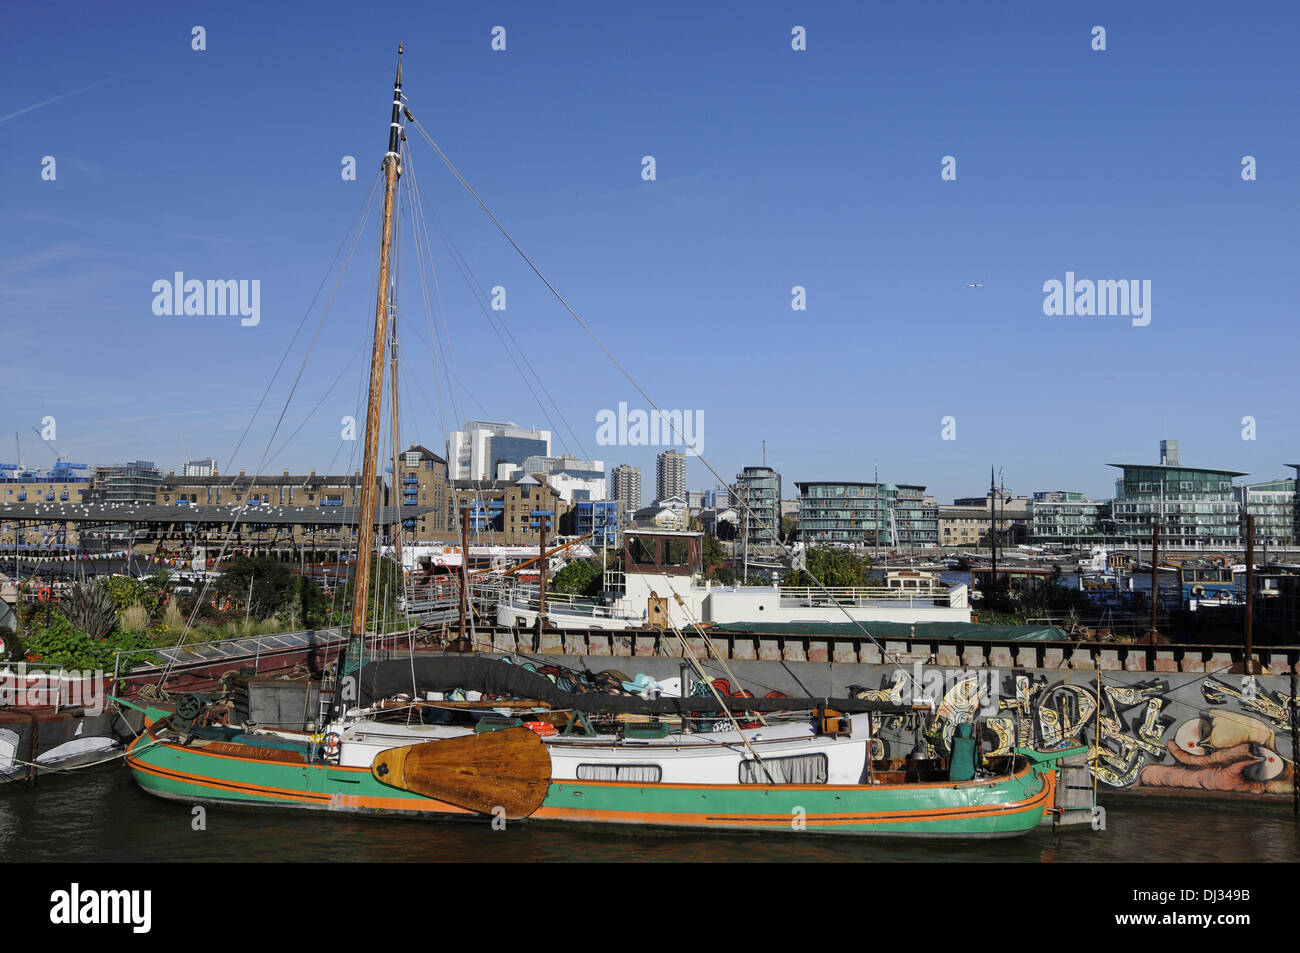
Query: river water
column 99, row 815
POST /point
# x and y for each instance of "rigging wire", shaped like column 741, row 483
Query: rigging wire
column 640, row 390
column 242, row 511
column 499, row 325
column 367, row 204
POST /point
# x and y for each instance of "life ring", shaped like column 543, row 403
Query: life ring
column 43, row 594
column 331, row 744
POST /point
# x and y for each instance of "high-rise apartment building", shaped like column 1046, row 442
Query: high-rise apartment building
column 757, row 498
column 670, row 475
column 625, row 487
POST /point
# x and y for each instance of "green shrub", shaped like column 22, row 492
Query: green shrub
column 62, row 644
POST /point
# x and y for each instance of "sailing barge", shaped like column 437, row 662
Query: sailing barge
column 559, row 756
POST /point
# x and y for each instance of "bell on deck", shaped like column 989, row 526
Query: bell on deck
column 920, row 749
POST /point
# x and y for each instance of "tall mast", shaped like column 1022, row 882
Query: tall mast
column 399, row 490
column 366, row 517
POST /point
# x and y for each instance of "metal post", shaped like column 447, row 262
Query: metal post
column 541, row 569
column 1250, row 594
column 1155, row 577
column 993, row 534
column 464, row 565
column 1295, row 744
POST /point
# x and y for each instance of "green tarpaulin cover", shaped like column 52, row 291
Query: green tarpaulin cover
column 935, row 631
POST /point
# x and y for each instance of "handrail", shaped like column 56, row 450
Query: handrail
column 526, row 598
column 859, row 593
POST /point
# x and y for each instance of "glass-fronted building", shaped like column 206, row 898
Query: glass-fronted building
column 599, row 517
column 1273, row 504
column 1067, row 516
column 867, row 514
column 475, row 452
column 1197, row 507
column 757, row 498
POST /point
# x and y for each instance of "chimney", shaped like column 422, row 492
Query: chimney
column 241, row 472
column 1169, row 453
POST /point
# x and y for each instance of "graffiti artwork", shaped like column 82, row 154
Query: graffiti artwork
column 1170, row 731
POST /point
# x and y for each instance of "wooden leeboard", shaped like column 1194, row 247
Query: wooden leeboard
column 510, row 769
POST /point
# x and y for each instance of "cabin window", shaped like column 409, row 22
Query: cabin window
column 678, row 554
column 801, row 769
column 641, row 551
column 636, row 773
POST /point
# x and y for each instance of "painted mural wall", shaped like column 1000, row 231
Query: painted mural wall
column 1184, row 731
column 1190, row 732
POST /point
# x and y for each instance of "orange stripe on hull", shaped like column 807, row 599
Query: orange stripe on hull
column 1032, row 804
column 321, row 799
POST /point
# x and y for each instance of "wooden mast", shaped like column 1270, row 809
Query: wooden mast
column 399, row 491
column 366, row 516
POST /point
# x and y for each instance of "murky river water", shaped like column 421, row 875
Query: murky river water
column 101, row 816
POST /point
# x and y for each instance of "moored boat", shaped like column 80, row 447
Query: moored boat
column 815, row 774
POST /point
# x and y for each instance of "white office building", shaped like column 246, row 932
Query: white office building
column 476, row 452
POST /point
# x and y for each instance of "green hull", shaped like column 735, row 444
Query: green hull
column 999, row 807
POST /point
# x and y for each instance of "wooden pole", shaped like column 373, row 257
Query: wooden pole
column 369, row 460
column 397, row 492
column 365, row 516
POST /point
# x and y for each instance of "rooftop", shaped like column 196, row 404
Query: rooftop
column 1177, row 466
column 217, row 515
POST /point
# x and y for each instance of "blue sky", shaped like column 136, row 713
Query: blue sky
column 775, row 168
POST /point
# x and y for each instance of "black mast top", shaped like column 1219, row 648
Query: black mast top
column 394, row 128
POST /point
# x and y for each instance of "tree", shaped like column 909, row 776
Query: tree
column 580, row 577
column 717, row 563
column 789, row 526
column 275, row 589
column 833, row 567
